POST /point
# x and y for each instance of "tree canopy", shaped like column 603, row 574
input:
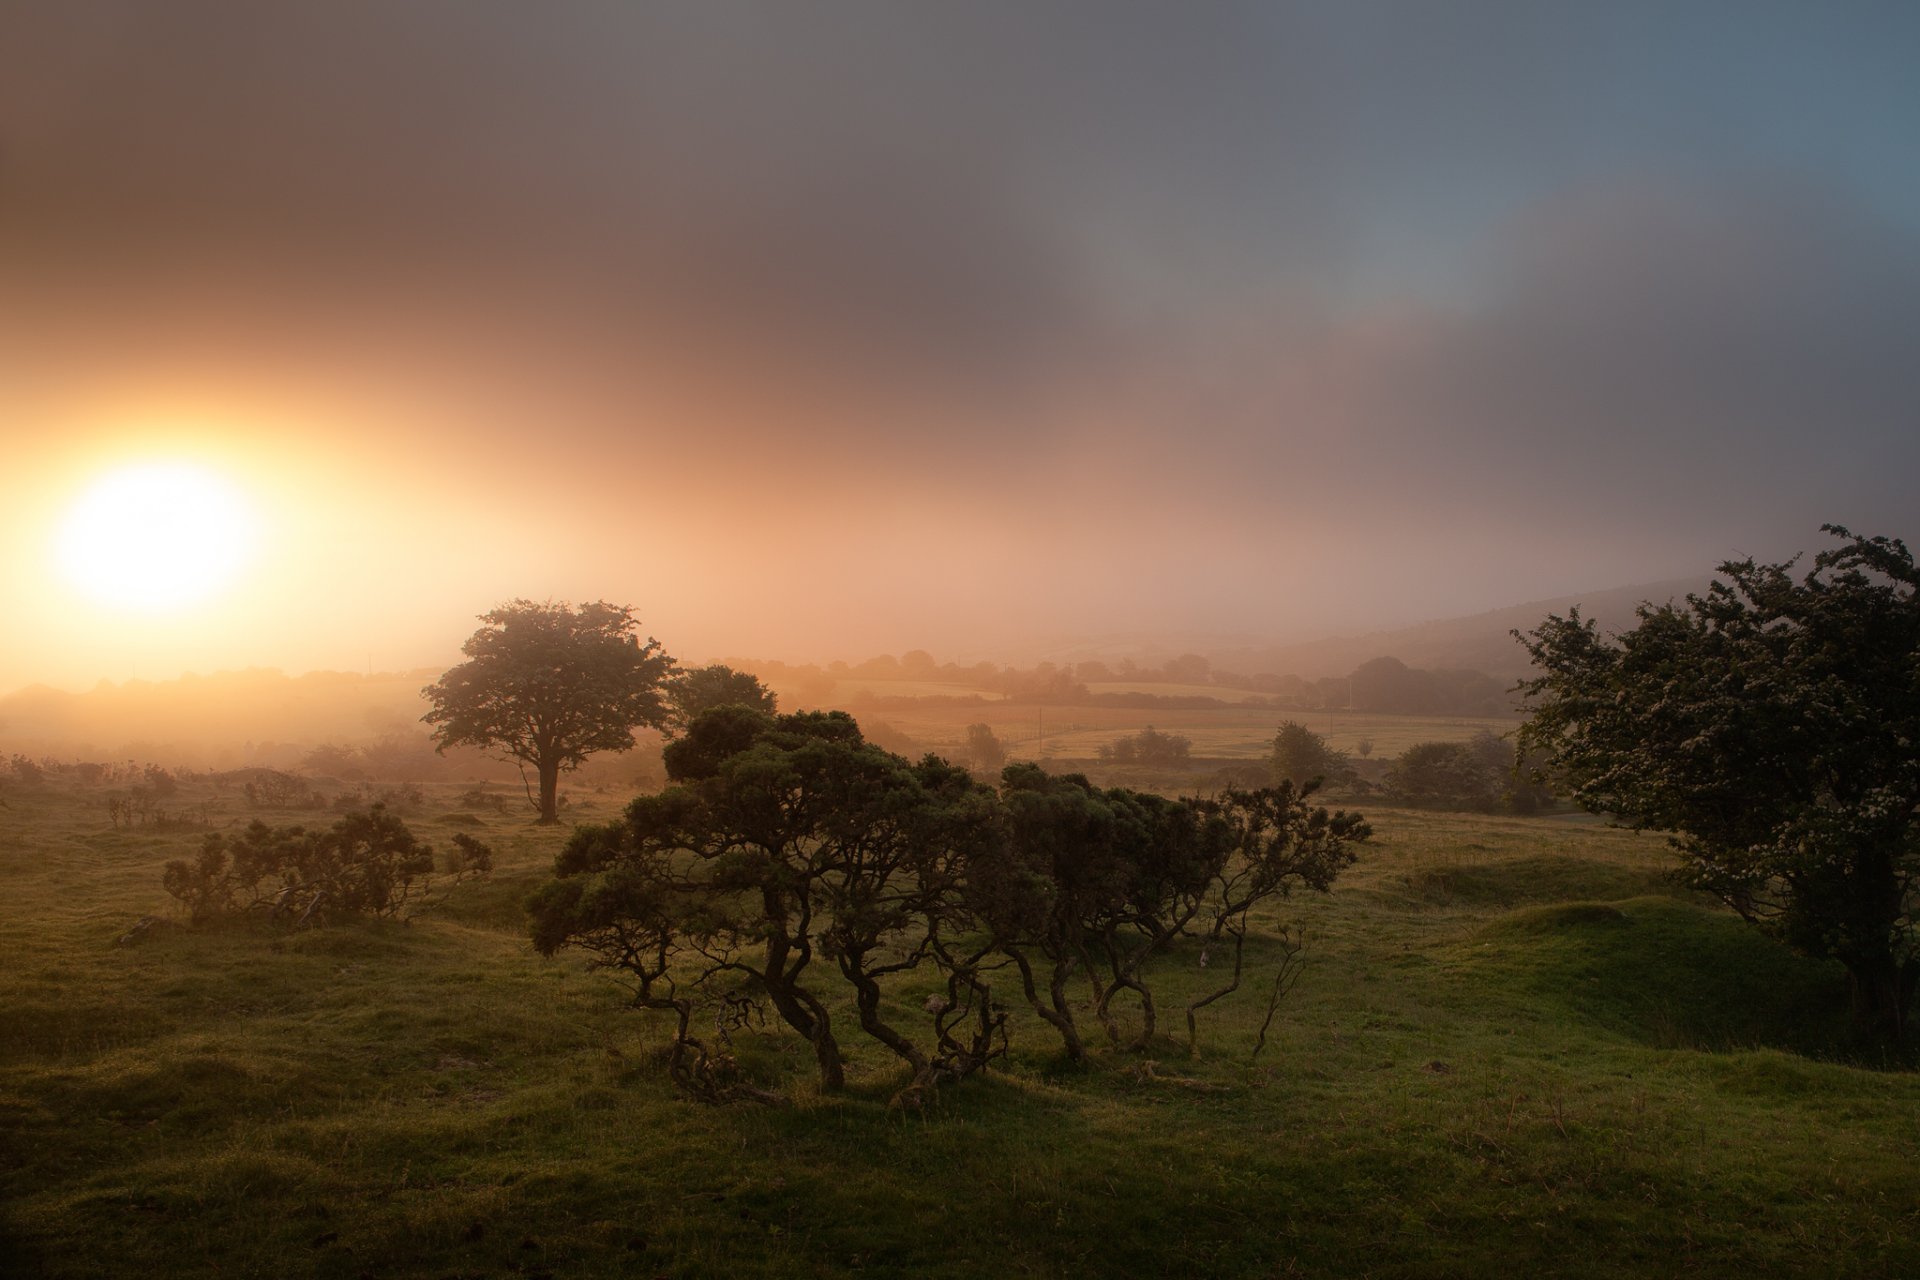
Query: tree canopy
column 697, row 689
column 548, row 685
column 1771, row 725
column 793, row 860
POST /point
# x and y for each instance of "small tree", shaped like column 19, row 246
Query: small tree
column 1443, row 775
column 548, row 685
column 1770, row 725
column 1301, row 757
column 984, row 751
column 1149, row 747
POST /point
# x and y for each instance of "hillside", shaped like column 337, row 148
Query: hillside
column 1477, row 642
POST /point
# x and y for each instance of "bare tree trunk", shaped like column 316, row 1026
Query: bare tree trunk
column 1882, row 991
column 867, row 1002
column 1239, row 933
column 549, row 792
column 1060, row 1015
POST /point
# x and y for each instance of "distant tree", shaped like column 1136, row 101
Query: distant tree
column 1514, row 777
column 402, row 756
column 1770, row 725
column 1301, row 757
column 331, row 760
column 1390, row 685
column 1188, row 668
column 548, row 685
column 984, row 751
column 1149, row 747
column 1442, row 775
column 700, row 689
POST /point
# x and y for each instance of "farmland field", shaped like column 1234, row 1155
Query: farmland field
column 1077, row 731
column 1516, row 1048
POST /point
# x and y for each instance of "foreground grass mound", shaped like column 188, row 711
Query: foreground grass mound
column 1668, row 973
column 1454, row 1089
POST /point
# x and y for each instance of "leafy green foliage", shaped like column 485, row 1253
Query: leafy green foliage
column 549, row 685
column 1771, row 725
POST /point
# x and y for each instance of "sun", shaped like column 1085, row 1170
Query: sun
column 156, row 537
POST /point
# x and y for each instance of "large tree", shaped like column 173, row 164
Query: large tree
column 1773, row 726
column 548, row 685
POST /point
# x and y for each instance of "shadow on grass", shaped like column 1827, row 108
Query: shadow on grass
column 1512, row 882
column 1673, row 975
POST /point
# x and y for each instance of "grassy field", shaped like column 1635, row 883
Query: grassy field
column 1220, row 733
column 1514, row 1049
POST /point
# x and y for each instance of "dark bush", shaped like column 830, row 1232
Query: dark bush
column 366, row 864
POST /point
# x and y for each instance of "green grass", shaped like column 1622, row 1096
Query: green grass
column 1515, row 1049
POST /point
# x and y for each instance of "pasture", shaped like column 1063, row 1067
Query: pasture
column 1516, row 1048
column 1230, row 732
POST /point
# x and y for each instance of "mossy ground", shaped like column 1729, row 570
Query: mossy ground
column 1515, row 1049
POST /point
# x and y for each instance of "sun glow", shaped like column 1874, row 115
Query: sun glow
column 157, row 537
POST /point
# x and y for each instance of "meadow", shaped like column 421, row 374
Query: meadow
column 1233, row 731
column 1515, row 1047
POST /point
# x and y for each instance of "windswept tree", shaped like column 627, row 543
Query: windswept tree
column 1770, row 726
column 1095, row 882
column 547, row 685
column 786, row 841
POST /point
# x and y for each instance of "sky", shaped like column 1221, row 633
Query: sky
column 825, row 330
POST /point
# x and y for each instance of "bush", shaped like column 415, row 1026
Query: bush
column 366, row 864
column 275, row 790
column 1149, row 747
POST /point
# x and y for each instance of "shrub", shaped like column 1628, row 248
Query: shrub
column 275, row 790
column 366, row 864
column 1149, row 747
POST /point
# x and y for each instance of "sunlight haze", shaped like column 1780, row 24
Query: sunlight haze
column 992, row 330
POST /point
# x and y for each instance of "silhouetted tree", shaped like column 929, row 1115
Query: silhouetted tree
column 785, row 840
column 1443, row 775
column 368, row 863
column 1770, row 724
column 700, row 689
column 549, row 685
column 1301, row 757
column 1149, row 747
column 984, row 751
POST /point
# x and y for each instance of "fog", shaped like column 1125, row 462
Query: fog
column 995, row 330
